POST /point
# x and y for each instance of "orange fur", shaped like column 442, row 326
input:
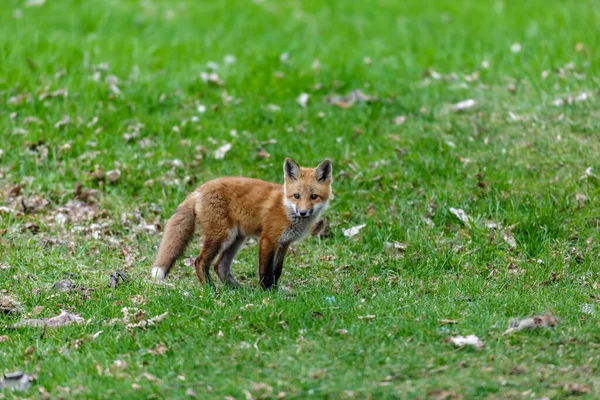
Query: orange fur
column 230, row 209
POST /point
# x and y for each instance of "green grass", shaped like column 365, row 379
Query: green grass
column 523, row 173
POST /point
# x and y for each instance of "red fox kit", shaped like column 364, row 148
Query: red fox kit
column 229, row 210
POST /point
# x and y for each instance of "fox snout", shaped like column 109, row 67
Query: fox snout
column 304, row 213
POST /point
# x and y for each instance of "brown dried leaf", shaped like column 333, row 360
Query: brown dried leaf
column 399, row 120
column 461, row 341
column 302, row 100
column 119, row 365
column 262, row 153
column 367, row 317
column 63, row 319
column 577, row 388
column 212, row 78
column 159, row 349
column 539, row 321
column 353, row 231
column 8, row 305
column 221, row 151
column 395, row 247
column 510, row 239
column 16, row 381
column 116, row 279
column 37, row 310
column 462, row 216
column 150, row 377
column 464, row 105
column 438, row 394
column 113, row 175
column 65, row 120
column 355, row 96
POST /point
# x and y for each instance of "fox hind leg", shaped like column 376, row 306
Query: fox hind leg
column 210, row 250
column 223, row 266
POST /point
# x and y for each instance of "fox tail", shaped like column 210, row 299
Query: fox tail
column 178, row 233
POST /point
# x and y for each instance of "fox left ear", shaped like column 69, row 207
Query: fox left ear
column 323, row 171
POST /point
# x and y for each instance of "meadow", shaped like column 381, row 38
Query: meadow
column 464, row 141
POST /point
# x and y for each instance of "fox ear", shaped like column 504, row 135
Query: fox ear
column 323, row 171
column 291, row 170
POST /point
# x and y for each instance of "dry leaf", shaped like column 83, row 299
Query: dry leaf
column 492, row 225
column 8, row 305
column 351, row 232
column 367, row 317
column 448, row 321
column 581, row 199
column 540, row 321
column 262, row 153
column 221, row 151
column 588, row 309
column 150, row 377
column 342, row 332
column 464, row 105
column 395, row 247
column 119, row 365
column 64, row 121
column 438, row 394
column 229, row 59
column 577, row 388
column 37, row 310
column 63, row 319
column 462, row 216
column 583, row 96
column 143, row 322
column 34, row 3
column 159, row 349
column 116, row 279
column 211, row 78
column 16, row 381
column 399, row 120
column 461, row 341
column 355, row 96
column 113, row 175
column 510, row 239
column 302, row 100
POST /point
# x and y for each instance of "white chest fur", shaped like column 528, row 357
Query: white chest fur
column 298, row 230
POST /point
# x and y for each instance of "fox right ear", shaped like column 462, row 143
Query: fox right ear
column 291, row 170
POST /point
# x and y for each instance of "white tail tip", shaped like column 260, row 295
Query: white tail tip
column 158, row 273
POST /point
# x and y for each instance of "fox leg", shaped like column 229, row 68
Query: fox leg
column 223, row 265
column 210, row 250
column 266, row 254
column 278, row 262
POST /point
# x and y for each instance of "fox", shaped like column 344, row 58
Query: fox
column 231, row 209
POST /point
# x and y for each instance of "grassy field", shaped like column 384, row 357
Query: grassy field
column 110, row 112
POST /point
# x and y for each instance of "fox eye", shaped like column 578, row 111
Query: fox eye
column 314, row 196
column 296, row 195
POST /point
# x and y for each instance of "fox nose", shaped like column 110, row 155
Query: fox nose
column 303, row 213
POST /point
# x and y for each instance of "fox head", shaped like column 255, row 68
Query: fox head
column 306, row 190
